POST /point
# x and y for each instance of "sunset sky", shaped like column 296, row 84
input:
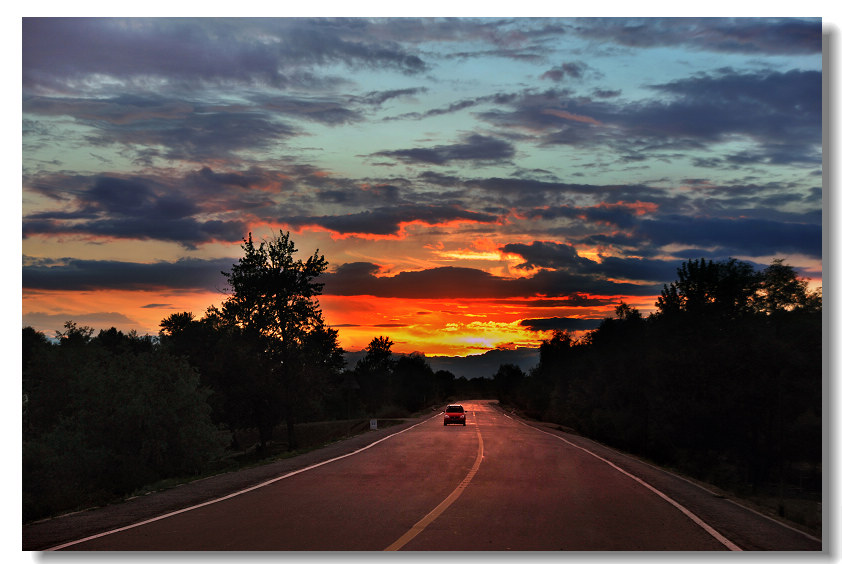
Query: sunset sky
column 473, row 183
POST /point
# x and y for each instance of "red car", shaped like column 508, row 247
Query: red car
column 454, row 414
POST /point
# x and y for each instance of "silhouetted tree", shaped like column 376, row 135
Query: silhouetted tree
column 708, row 288
column 722, row 381
column 374, row 373
column 782, row 290
column 507, row 380
column 101, row 421
column 415, row 382
column 273, row 301
column 73, row 335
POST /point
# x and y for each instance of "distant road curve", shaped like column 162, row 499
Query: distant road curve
column 496, row 484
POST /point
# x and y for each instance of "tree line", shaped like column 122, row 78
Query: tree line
column 106, row 414
column 723, row 380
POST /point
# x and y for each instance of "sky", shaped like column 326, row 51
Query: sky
column 474, row 183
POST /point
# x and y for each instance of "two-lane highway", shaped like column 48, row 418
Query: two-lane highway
column 494, row 484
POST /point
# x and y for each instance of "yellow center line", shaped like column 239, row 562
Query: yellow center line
column 418, row 527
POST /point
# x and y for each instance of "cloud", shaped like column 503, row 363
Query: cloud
column 379, row 97
column 564, row 257
column 564, row 71
column 456, row 282
column 729, row 35
column 771, row 107
column 358, row 279
column 63, row 54
column 78, row 275
column 561, row 323
column 476, row 148
column 753, row 237
column 541, row 254
column 144, row 207
column 391, row 219
column 779, row 111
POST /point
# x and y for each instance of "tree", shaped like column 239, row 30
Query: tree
column 73, row 335
column 782, row 290
column 415, row 382
column 507, row 380
column 724, row 290
column 100, row 422
column 375, row 374
column 273, row 301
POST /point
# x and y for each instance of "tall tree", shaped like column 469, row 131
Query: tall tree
column 782, row 290
column 375, row 372
column 273, row 300
column 711, row 289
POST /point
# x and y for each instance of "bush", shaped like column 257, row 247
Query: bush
column 101, row 424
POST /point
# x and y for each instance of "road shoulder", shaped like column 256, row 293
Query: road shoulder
column 734, row 518
column 48, row 533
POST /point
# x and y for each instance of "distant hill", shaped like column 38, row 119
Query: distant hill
column 471, row 366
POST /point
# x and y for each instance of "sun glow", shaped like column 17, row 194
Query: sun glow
column 446, row 327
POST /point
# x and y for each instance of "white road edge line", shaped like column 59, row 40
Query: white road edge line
column 713, row 493
column 695, row 518
column 235, row 494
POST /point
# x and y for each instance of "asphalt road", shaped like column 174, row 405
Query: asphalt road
column 495, row 484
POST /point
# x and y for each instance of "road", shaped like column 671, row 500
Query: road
column 495, row 484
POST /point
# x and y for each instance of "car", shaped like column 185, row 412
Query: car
column 454, row 413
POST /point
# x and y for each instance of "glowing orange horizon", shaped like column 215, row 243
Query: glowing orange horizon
column 435, row 327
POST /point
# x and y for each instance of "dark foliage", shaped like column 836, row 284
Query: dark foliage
column 396, row 387
column 723, row 381
column 104, row 416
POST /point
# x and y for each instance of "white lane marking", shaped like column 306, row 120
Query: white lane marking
column 235, row 494
column 695, row 518
column 717, row 494
column 418, row 527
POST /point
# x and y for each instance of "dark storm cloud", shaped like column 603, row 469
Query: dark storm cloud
column 564, row 71
column 548, row 255
column 445, row 282
column 213, row 182
column 564, row 257
column 197, row 136
column 543, row 192
column 732, row 35
column 59, row 52
column 780, row 111
column 453, row 282
column 181, row 128
column 187, row 232
column 616, row 215
column 388, row 220
column 128, row 208
column 755, row 237
column 773, row 108
column 78, row 274
column 476, row 148
column 560, row 323
column 324, row 41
